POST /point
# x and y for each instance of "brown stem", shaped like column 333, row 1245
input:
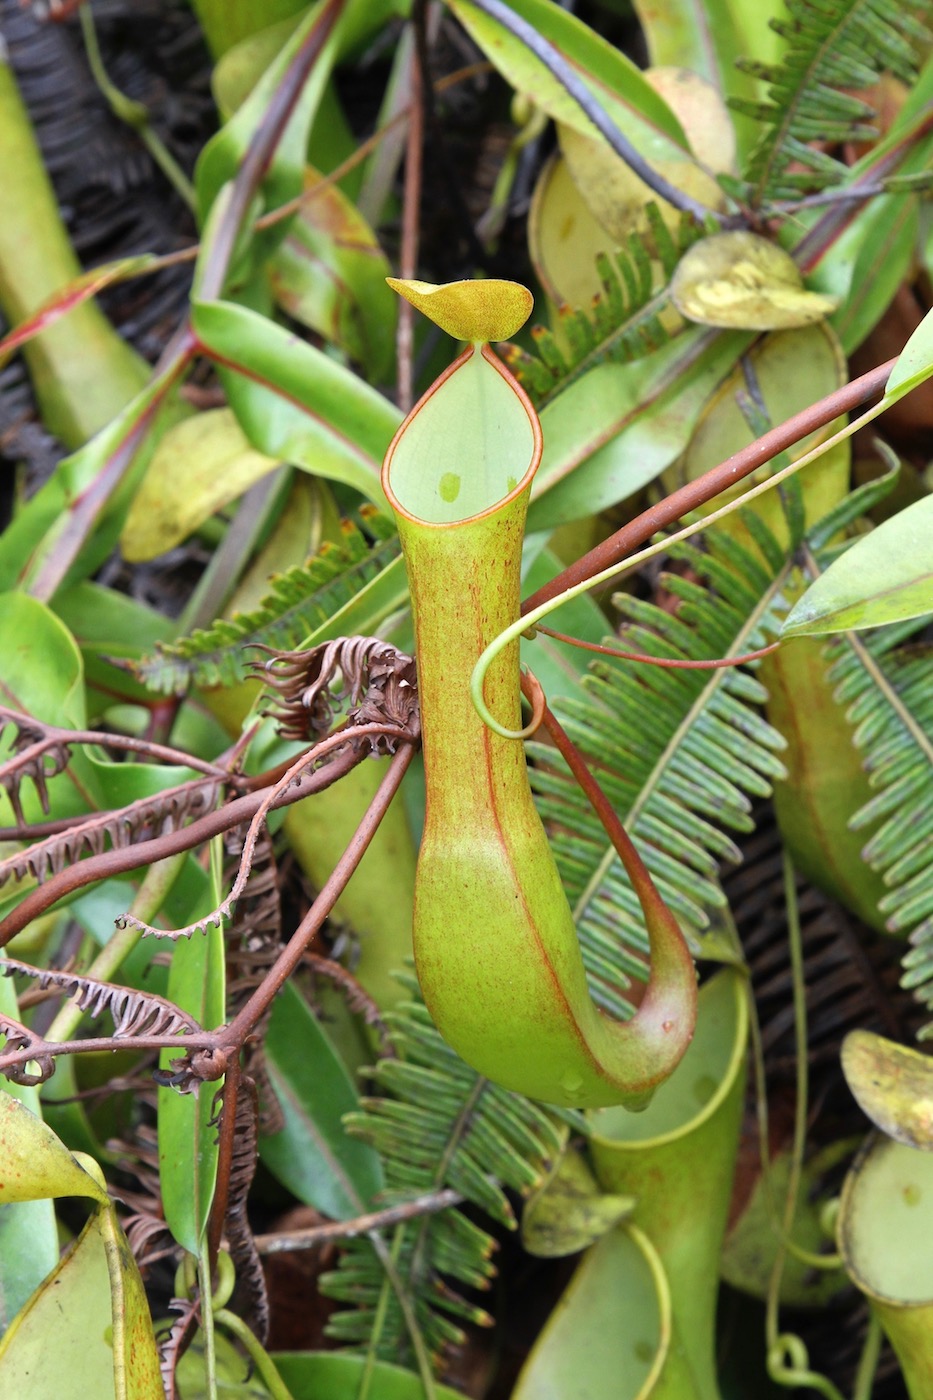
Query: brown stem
column 118, row 862
column 428, row 1204
column 243, row 1023
column 698, row 493
column 225, row 1145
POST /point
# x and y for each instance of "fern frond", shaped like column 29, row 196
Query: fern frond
column 625, row 320
column 300, row 600
column 835, row 48
column 436, row 1124
column 679, row 753
column 887, row 690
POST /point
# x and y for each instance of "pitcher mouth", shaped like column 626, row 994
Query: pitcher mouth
column 483, row 416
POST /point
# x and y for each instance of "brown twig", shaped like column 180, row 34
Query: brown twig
column 717, row 479
column 429, row 1204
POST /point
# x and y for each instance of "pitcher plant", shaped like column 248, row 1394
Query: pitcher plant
column 495, row 945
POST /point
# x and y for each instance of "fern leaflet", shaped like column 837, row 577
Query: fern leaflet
column 437, row 1124
column 300, row 600
column 679, row 753
column 835, row 48
column 630, row 318
column 888, row 696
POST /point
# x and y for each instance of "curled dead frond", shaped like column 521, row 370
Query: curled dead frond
column 172, row 1344
column 377, row 680
column 139, row 821
column 358, row 1000
column 252, row 1299
column 134, row 1014
column 37, row 753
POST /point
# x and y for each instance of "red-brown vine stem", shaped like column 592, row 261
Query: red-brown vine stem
column 698, row 493
column 118, row 862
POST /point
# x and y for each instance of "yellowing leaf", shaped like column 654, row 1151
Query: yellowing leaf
column 34, row 1163
column 480, row 311
column 617, row 196
column 893, row 1086
column 741, row 280
column 200, row 465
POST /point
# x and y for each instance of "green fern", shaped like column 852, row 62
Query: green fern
column 887, row 691
column 679, row 753
column 299, row 601
column 437, row 1124
column 834, row 47
column 625, row 321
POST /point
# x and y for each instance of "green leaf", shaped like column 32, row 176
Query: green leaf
column 570, row 1212
column 915, row 362
column 293, row 402
column 328, row 1375
column 619, row 426
column 886, row 576
column 111, row 465
column 330, row 275
column 893, row 1086
column 187, row 1130
column 313, row 1155
column 620, row 87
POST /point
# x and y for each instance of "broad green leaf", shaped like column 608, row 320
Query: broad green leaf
column 35, row 1164
column 330, row 275
column 187, row 1132
column 108, row 625
column 243, row 63
column 791, row 369
column 58, row 1347
column 86, row 1331
column 915, row 362
column 743, row 281
column 112, row 462
column 570, row 1212
column 221, row 158
column 893, row 1086
column 329, row 1375
column 201, row 465
column 886, row 576
column 293, row 402
column 312, row 1155
column 613, row 79
column 565, row 237
column 43, row 677
column 482, row 310
column 235, row 22
column 620, row 426
column 223, row 154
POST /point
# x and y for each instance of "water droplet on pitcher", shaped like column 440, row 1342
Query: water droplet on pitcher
column 571, row 1083
column 449, row 486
